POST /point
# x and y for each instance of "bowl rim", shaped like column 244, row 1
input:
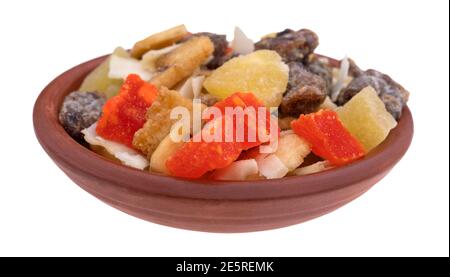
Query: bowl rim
column 70, row 155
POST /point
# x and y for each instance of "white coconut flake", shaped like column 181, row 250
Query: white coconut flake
column 271, row 167
column 125, row 154
column 241, row 44
column 340, row 83
column 192, row 87
column 120, row 68
column 238, row 170
column 197, row 84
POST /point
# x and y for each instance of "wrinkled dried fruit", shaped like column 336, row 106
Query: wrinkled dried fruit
column 366, row 117
column 320, row 66
column 124, row 114
column 79, row 111
column 329, row 138
column 291, row 45
column 305, row 92
column 393, row 95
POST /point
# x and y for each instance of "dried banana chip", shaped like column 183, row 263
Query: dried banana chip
column 159, row 123
column 159, row 40
column 181, row 62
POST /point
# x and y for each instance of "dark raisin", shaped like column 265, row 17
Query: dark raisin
column 291, row 45
column 390, row 92
column 79, row 111
column 305, row 91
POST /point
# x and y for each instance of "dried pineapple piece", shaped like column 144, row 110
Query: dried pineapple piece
column 98, row 80
column 159, row 123
column 261, row 72
column 165, row 149
column 159, row 40
column 365, row 116
column 181, row 62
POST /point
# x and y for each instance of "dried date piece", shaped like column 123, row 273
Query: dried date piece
column 305, row 91
column 322, row 69
column 393, row 95
column 291, row 45
column 79, row 111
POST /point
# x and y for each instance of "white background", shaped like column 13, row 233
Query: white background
column 43, row 213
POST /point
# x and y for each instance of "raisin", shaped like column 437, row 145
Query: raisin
column 79, row 111
column 291, row 45
column 305, row 92
column 393, row 95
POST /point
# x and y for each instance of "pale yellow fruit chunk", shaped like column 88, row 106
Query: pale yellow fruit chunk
column 366, row 117
column 98, row 79
column 262, row 72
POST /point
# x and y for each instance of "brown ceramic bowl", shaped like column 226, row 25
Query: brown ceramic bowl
column 214, row 206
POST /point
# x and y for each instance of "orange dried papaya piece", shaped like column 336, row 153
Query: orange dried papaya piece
column 329, row 138
column 250, row 122
column 124, row 113
column 199, row 156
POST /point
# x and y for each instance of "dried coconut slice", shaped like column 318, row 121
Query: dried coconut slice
column 271, row 167
column 123, row 153
column 241, row 44
column 120, row 68
column 238, row 170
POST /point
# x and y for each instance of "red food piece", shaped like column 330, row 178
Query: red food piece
column 329, row 138
column 199, row 155
column 124, row 113
column 245, row 100
column 194, row 159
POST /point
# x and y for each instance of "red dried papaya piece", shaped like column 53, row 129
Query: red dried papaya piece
column 329, row 138
column 250, row 122
column 199, row 155
column 124, row 113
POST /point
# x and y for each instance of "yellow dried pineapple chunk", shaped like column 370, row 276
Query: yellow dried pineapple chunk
column 366, row 117
column 262, row 72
